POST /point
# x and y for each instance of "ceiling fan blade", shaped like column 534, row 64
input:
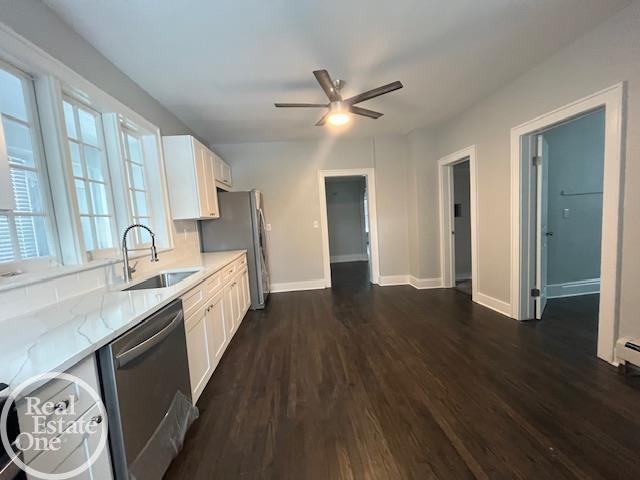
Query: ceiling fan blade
column 322, row 120
column 327, row 84
column 365, row 112
column 297, row 105
column 376, row 92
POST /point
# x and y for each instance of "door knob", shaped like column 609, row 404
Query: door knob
column 549, row 234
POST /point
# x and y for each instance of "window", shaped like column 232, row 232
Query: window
column 90, row 176
column 138, row 191
column 25, row 231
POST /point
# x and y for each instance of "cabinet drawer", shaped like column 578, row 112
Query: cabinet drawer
column 213, row 284
column 65, row 395
column 228, row 273
column 194, row 318
column 192, row 300
column 75, row 450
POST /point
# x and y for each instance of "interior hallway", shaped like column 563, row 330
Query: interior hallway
column 366, row 382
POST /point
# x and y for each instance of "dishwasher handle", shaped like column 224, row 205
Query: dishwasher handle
column 128, row 356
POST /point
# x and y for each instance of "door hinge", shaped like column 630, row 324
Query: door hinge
column 537, row 160
column 535, row 292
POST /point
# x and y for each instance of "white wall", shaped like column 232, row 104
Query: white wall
column 345, row 218
column 287, row 174
column 576, row 165
column 462, row 224
column 607, row 55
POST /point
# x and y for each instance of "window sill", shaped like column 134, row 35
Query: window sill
column 35, row 277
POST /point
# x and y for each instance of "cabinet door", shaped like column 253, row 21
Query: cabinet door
column 230, row 309
column 216, row 333
column 198, row 353
column 245, row 290
column 219, row 169
column 200, row 159
column 212, row 192
column 237, row 298
column 226, row 174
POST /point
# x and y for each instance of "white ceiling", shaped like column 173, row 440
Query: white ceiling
column 219, row 65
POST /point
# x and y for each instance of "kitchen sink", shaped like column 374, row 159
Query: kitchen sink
column 162, row 280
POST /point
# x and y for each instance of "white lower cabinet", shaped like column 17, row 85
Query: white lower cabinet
column 76, row 444
column 198, row 352
column 75, row 452
column 220, row 303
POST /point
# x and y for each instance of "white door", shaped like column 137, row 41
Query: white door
column 542, row 226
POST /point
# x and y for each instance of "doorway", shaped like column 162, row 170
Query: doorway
column 462, row 226
column 348, row 228
column 527, row 217
column 349, row 225
column 458, row 227
column 569, row 178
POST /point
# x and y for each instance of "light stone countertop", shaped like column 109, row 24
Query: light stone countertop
column 59, row 336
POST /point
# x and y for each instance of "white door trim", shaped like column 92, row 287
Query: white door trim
column 370, row 179
column 523, row 210
column 447, row 251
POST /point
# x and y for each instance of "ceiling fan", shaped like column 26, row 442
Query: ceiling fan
column 339, row 110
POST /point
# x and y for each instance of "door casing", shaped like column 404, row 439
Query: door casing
column 523, row 215
column 447, row 252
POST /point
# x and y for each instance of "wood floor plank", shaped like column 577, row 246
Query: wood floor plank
column 363, row 382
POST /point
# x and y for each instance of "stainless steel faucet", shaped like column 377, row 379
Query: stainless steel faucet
column 125, row 251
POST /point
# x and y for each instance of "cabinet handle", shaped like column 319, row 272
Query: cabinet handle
column 97, row 419
column 62, row 405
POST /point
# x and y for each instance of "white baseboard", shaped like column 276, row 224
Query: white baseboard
column 298, row 286
column 463, row 276
column 574, row 289
column 391, row 280
column 354, row 257
column 425, row 283
column 493, row 303
column 419, row 283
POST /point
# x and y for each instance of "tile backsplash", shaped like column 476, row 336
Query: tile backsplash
column 38, row 295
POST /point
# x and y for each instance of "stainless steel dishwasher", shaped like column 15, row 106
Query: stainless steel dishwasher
column 145, row 381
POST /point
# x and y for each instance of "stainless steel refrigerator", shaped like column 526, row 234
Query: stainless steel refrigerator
column 241, row 226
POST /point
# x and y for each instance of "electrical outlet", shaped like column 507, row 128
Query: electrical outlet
column 268, row 227
column 566, row 212
column 316, row 224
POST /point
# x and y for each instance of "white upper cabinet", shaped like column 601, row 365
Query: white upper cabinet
column 223, row 174
column 191, row 177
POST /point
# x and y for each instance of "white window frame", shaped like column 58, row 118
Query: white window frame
column 149, row 219
column 154, row 176
column 95, row 253
column 21, row 264
column 52, row 80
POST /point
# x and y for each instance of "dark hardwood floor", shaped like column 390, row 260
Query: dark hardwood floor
column 363, row 382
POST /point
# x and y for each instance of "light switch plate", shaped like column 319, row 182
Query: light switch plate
column 268, row 227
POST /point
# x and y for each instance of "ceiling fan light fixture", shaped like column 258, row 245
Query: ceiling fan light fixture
column 341, row 111
column 338, row 114
column 338, row 119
